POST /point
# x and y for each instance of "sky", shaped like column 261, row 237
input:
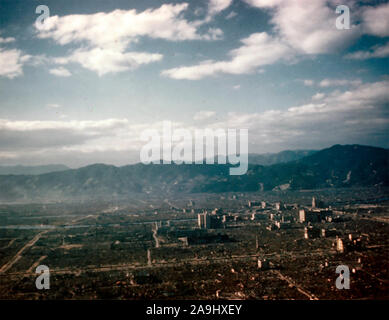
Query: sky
column 80, row 86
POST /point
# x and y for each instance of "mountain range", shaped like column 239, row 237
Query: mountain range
column 337, row 166
column 268, row 159
column 32, row 170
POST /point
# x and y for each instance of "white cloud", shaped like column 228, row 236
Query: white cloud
column 318, row 96
column 6, row 40
column 376, row 20
column 105, row 37
column 105, row 61
column 53, row 105
column 38, row 60
column 216, row 6
column 60, row 72
column 231, row 15
column 356, row 115
column 325, row 83
column 236, row 87
column 364, row 96
column 338, row 82
column 90, row 126
column 213, row 34
column 351, row 116
column 72, row 142
column 379, row 51
column 24, row 136
column 258, row 49
column 121, row 27
column 11, row 63
column 308, row 82
column 307, row 109
column 203, row 115
column 301, row 27
column 308, row 26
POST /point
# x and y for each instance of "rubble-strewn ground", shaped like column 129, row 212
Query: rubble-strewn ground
column 99, row 250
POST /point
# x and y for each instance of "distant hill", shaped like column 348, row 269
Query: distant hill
column 338, row 166
column 268, row 159
column 29, row 170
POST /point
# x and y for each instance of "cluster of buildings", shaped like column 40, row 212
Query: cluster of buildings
column 351, row 243
column 317, row 213
column 214, row 220
column 254, row 211
column 278, row 216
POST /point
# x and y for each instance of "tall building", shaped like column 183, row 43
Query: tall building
column 311, row 233
column 217, row 211
column 209, row 221
column 149, row 257
column 339, row 245
column 204, row 220
column 302, row 216
column 263, row 264
column 313, row 215
column 317, row 203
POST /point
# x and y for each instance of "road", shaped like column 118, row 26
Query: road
column 377, row 219
column 36, row 263
column 18, row 255
column 300, row 289
column 155, row 236
column 194, row 261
